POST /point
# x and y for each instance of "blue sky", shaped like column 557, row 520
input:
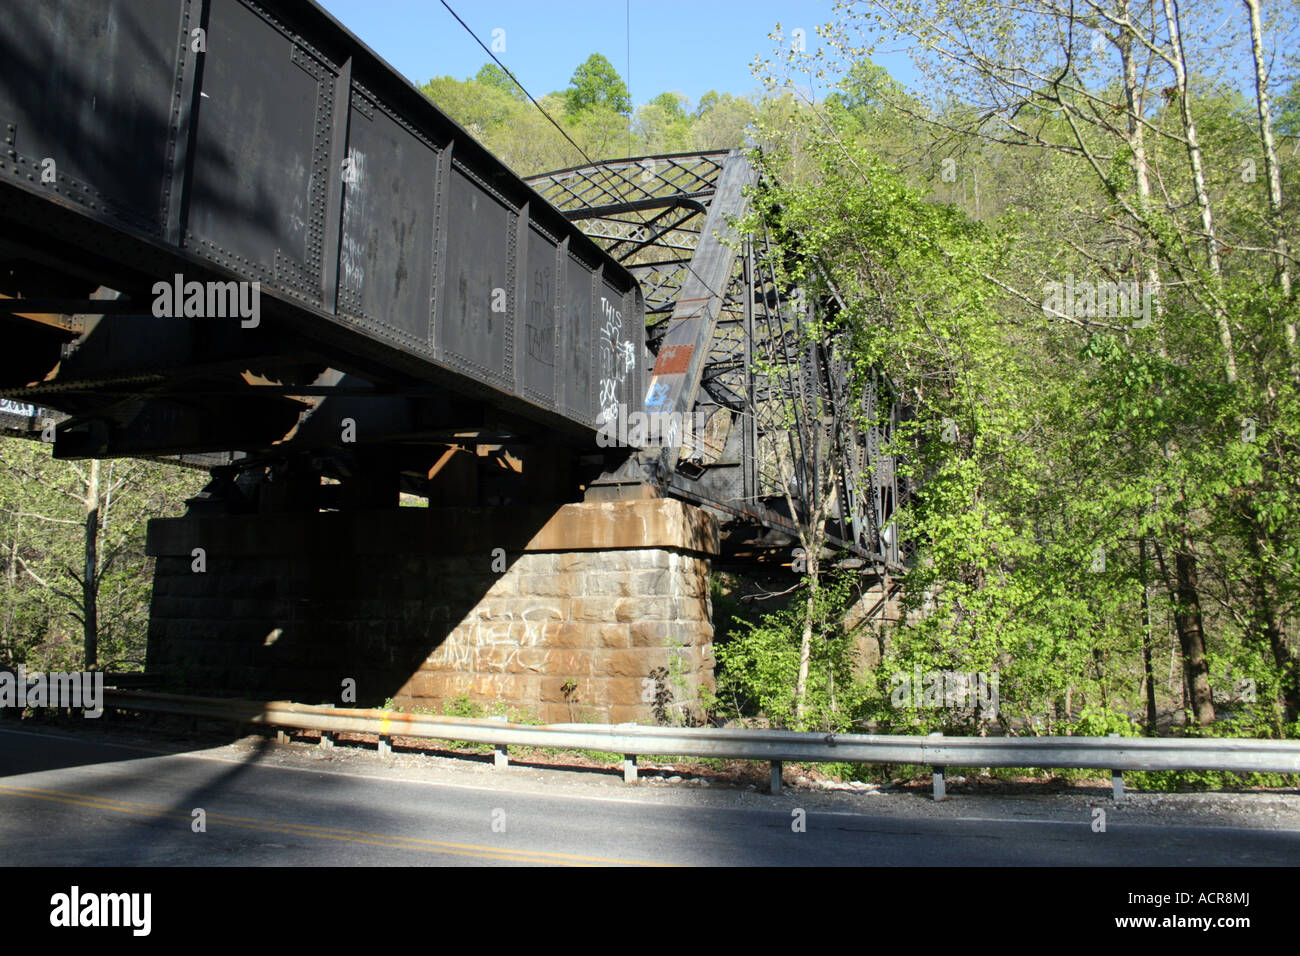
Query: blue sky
column 689, row 46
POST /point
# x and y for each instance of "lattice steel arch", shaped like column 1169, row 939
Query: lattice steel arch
column 646, row 212
column 730, row 342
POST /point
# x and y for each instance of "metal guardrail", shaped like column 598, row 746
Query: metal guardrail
column 1116, row 754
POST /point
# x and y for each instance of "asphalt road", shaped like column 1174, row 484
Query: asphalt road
column 71, row 801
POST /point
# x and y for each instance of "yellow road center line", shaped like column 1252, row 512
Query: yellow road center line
column 324, row 833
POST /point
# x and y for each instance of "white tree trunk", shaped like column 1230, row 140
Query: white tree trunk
column 1179, row 62
column 1280, row 244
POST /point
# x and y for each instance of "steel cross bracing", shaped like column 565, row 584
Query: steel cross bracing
column 729, row 342
column 647, row 213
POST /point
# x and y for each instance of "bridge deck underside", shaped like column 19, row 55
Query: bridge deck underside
column 405, row 279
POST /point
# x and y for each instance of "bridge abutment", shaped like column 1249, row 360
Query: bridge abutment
column 594, row 611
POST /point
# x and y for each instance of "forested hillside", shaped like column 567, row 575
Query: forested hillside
column 1074, row 259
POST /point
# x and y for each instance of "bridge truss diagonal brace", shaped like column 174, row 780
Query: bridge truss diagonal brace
column 675, row 379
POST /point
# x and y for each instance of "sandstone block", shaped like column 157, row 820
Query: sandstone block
column 582, row 561
column 504, row 585
column 607, row 584
column 657, row 583
column 612, row 635
column 633, row 610
column 494, row 687
column 651, row 633
column 536, row 562
column 550, row 609
column 531, row 660
column 568, row 634
column 628, row 691
column 551, row 585
column 630, row 714
column 592, row 609
column 637, row 662
column 574, row 663
column 553, row 689
column 555, row 713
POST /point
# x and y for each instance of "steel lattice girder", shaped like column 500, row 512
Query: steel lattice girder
column 716, row 317
column 624, row 183
column 646, row 212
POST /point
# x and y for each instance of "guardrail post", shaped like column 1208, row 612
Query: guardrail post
column 500, row 752
column 326, row 740
column 774, row 786
column 1116, row 781
column 385, row 745
column 629, row 768
column 280, row 736
column 940, row 790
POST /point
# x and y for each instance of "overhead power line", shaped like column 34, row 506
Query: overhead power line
column 515, row 80
column 540, row 109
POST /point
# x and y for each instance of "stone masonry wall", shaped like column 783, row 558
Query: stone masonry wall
column 592, row 612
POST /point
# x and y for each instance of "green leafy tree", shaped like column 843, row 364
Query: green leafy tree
column 485, row 109
column 761, row 663
column 491, row 75
column 78, row 581
column 663, row 125
column 722, row 121
column 1096, row 497
column 596, row 85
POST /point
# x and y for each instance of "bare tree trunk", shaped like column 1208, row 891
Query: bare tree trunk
column 1179, row 61
column 1188, row 624
column 90, row 572
column 805, row 641
column 1273, row 633
column 811, row 539
column 1191, row 634
column 1267, row 612
column 1280, row 251
column 1148, row 674
column 11, row 579
column 1136, row 135
column 1269, row 626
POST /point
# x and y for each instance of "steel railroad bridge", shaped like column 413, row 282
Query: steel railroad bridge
column 426, row 321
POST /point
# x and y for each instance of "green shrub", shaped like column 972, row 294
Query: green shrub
column 759, row 665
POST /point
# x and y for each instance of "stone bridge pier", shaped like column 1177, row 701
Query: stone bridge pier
column 596, row 611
